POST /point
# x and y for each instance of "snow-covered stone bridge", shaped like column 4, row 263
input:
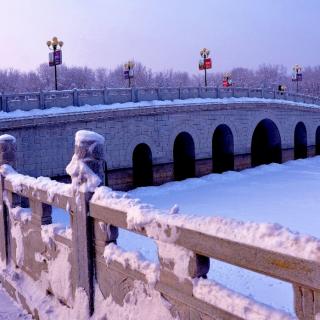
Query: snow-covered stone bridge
column 151, row 141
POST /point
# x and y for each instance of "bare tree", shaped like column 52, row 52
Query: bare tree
column 69, row 77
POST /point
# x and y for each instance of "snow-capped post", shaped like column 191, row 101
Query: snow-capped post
column 86, row 170
column 8, row 150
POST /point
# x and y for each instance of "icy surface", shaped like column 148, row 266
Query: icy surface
column 131, row 105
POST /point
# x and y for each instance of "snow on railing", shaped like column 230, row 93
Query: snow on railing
column 65, row 98
column 75, row 271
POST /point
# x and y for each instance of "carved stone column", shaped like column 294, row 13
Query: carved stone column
column 8, row 150
column 87, row 173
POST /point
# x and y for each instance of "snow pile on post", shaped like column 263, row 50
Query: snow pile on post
column 142, row 302
column 133, row 260
column 87, row 159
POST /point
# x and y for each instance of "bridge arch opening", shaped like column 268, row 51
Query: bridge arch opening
column 222, row 149
column 266, row 144
column 183, row 157
column 142, row 166
column 318, row 141
column 300, row 141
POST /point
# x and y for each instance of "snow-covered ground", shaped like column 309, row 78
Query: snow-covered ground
column 9, row 310
column 286, row 194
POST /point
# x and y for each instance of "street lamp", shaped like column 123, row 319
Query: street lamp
column 55, row 57
column 227, row 81
column 128, row 71
column 297, row 74
column 205, row 63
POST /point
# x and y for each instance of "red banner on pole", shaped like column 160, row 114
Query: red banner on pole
column 207, row 63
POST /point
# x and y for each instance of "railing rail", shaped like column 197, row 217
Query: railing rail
column 273, row 263
column 80, row 97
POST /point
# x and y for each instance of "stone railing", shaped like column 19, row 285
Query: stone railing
column 66, row 269
column 45, row 100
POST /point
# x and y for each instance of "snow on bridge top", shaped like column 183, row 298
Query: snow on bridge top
column 20, row 113
column 69, row 101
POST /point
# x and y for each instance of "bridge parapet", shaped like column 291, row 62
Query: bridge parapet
column 45, row 100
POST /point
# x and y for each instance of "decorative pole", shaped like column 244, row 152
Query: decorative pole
column 55, row 57
column 227, row 81
column 297, row 75
column 205, row 63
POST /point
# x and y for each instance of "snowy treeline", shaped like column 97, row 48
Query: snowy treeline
column 268, row 76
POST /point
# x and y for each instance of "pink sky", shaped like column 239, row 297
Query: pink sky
column 162, row 34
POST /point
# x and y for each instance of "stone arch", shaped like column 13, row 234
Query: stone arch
column 222, row 149
column 266, row 144
column 317, row 139
column 133, row 142
column 142, row 166
column 195, row 133
column 183, row 156
column 300, row 141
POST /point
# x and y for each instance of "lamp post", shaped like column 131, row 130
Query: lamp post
column 227, row 81
column 128, row 71
column 55, row 57
column 297, row 75
column 205, row 63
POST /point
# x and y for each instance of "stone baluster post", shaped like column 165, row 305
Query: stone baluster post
column 7, row 156
column 178, row 265
column 75, row 97
column 106, row 96
column 4, row 106
column 41, row 100
column 306, row 303
column 87, row 172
